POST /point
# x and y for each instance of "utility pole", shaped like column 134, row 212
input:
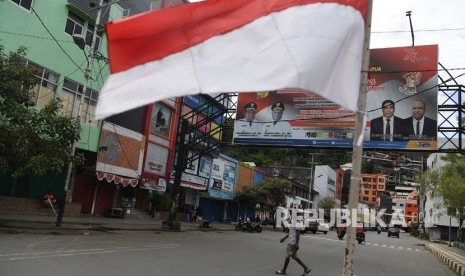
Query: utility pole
column 357, row 151
column 90, row 57
column 310, row 198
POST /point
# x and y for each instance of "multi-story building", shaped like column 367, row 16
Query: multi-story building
column 129, row 155
column 372, row 186
column 324, row 183
column 46, row 28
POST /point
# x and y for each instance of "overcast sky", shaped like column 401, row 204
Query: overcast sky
column 440, row 22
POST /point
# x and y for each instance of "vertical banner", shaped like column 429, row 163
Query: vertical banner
column 402, row 83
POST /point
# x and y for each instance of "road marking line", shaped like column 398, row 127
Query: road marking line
column 24, row 256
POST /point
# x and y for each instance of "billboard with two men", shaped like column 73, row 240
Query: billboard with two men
column 401, row 108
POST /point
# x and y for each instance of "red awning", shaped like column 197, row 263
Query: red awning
column 109, row 177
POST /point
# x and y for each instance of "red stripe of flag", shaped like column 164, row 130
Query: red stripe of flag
column 151, row 36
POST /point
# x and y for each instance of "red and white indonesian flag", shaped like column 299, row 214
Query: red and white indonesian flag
column 233, row 46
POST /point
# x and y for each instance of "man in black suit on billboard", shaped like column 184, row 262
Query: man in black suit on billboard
column 387, row 127
column 420, row 127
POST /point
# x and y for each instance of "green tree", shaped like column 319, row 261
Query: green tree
column 248, row 196
column 327, row 204
column 32, row 142
column 275, row 190
column 452, row 188
column 429, row 183
column 368, row 166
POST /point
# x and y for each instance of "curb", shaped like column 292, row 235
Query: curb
column 454, row 261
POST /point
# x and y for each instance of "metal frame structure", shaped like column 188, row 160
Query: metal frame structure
column 452, row 111
column 221, row 107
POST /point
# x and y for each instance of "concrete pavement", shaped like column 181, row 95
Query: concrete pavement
column 91, row 224
column 87, row 225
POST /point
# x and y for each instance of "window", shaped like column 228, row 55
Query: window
column 74, row 24
column 89, row 33
column 45, row 89
column 71, row 96
column 27, row 4
column 126, row 13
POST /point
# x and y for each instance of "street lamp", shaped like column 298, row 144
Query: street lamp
column 80, row 41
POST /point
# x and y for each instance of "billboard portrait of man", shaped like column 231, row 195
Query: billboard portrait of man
column 248, row 126
column 418, row 126
column 387, row 127
column 277, row 128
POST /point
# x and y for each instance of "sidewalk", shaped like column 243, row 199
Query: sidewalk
column 451, row 256
column 92, row 224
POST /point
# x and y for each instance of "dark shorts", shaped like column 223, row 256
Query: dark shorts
column 291, row 250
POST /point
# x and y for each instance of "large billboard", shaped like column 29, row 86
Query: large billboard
column 403, row 80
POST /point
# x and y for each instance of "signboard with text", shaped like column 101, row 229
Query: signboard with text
column 223, row 177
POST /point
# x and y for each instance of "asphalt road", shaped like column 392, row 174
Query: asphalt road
column 196, row 253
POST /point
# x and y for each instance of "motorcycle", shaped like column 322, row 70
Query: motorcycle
column 378, row 230
column 341, row 233
column 360, row 237
column 239, row 226
column 255, row 227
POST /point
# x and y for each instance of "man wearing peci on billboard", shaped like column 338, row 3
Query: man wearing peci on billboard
column 387, row 127
column 249, row 126
column 418, row 126
column 277, row 128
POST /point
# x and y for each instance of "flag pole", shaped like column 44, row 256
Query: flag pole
column 360, row 122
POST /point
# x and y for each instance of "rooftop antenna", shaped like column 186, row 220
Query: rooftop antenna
column 409, row 14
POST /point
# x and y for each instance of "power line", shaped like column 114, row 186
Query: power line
column 59, row 45
column 426, row 30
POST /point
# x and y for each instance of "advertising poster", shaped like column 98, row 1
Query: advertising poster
column 407, row 76
column 223, row 177
column 156, row 159
column 120, row 151
column 161, row 119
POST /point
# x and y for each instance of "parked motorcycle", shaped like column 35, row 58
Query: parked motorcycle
column 239, row 226
column 255, row 227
